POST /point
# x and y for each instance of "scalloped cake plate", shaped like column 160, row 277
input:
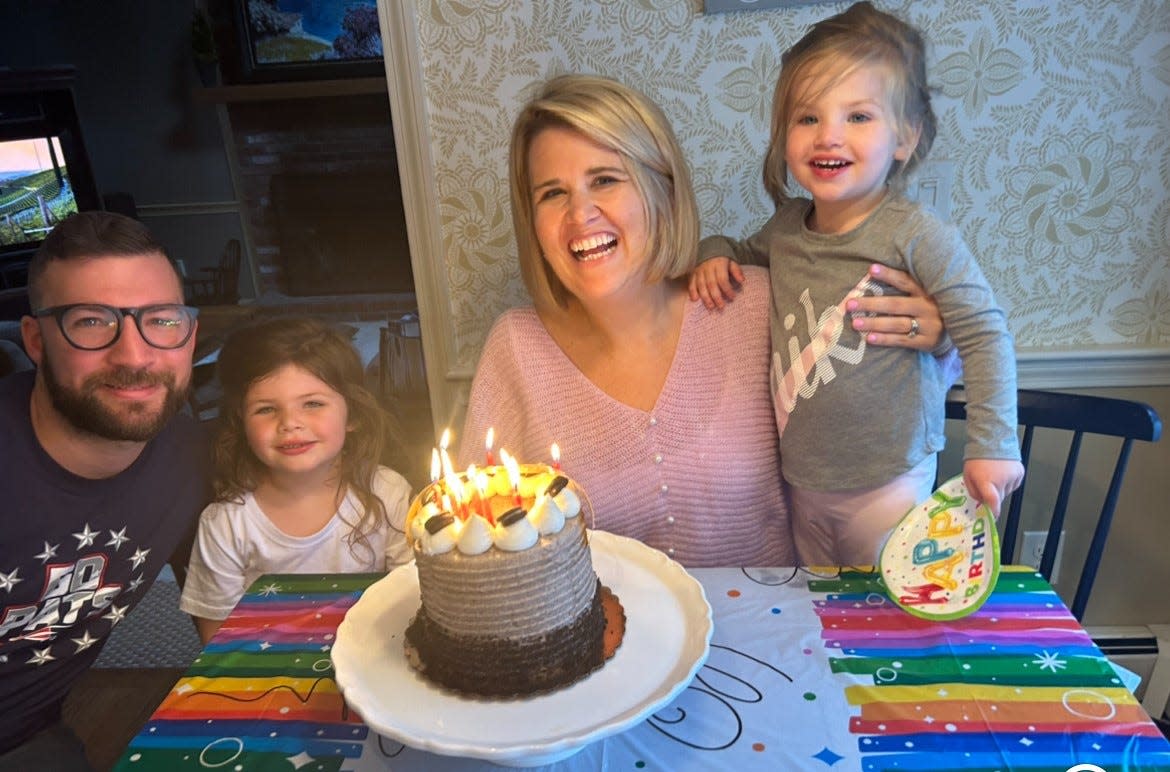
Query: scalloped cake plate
column 667, row 639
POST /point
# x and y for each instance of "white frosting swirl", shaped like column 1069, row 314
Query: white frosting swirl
column 546, row 515
column 438, row 543
column 476, row 536
column 418, row 524
column 518, row 536
column 568, row 501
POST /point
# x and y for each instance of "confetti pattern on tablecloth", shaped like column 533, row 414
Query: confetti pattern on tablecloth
column 287, row 670
column 1018, row 685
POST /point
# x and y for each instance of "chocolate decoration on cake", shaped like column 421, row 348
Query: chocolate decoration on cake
column 438, row 523
column 557, row 485
column 513, row 515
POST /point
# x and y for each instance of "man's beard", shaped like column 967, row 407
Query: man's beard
column 85, row 410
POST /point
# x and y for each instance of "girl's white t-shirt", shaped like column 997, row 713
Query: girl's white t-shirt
column 237, row 543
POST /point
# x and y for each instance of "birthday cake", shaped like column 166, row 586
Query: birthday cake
column 510, row 604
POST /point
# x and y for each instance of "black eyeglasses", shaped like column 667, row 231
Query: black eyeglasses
column 93, row 326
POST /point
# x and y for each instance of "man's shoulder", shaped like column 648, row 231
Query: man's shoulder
column 15, row 392
column 16, row 387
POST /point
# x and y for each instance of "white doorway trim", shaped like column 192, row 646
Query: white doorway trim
column 420, row 201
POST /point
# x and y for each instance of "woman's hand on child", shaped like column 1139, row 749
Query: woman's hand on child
column 716, row 281
column 992, row 480
column 889, row 320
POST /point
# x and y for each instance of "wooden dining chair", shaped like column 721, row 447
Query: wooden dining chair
column 221, row 285
column 1073, row 415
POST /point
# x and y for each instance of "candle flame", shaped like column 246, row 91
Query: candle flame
column 481, row 484
column 491, row 438
column 555, row 450
column 436, row 465
column 448, row 467
column 512, row 468
column 455, row 488
column 445, row 440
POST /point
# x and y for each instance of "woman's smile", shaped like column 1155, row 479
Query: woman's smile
column 593, row 247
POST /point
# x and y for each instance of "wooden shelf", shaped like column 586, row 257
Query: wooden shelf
column 259, row 92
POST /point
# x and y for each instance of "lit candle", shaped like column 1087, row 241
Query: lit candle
column 436, row 471
column 513, row 475
column 485, row 510
column 444, row 441
column 455, row 488
column 556, row 456
column 491, row 436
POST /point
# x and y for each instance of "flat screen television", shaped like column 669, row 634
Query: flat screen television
column 45, row 174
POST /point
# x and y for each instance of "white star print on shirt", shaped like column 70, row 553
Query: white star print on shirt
column 117, row 539
column 84, row 642
column 139, row 557
column 8, row 581
column 85, row 537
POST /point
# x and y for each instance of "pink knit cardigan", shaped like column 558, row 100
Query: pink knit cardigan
column 697, row 477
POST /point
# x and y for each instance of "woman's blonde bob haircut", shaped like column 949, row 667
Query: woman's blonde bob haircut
column 628, row 123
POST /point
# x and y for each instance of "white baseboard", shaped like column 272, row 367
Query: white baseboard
column 1145, row 651
column 1095, row 367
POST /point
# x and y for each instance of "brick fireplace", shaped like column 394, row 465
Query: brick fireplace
column 323, row 203
column 318, row 184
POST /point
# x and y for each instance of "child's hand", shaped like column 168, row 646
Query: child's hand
column 716, row 281
column 992, row 480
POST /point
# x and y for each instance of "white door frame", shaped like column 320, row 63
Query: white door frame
column 416, row 170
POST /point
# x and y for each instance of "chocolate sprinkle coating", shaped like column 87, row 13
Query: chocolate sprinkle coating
column 557, row 485
column 438, row 523
column 513, row 515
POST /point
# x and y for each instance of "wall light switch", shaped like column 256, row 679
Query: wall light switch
column 1032, row 548
column 931, row 185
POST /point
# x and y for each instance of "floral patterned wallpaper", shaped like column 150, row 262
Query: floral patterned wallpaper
column 1055, row 119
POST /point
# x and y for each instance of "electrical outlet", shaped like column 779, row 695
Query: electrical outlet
column 1032, row 548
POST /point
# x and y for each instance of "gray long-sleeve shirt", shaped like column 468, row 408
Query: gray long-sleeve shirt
column 852, row 415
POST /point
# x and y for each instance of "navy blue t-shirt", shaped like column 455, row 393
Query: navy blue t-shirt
column 77, row 555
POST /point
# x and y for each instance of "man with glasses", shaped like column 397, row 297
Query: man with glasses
column 101, row 476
